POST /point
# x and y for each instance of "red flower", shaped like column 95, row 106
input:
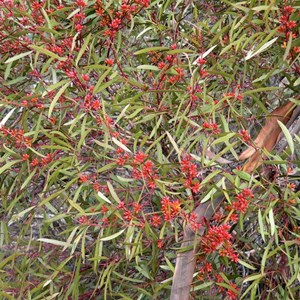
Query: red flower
column 85, row 77
column 170, row 208
column 140, row 157
column 109, row 61
column 80, row 3
column 160, row 243
column 25, row 157
column 201, row 61
column 232, row 294
column 288, row 10
column 161, row 65
column 245, row 135
column 34, row 162
column 156, row 220
column 206, row 268
column 215, row 237
column 241, row 203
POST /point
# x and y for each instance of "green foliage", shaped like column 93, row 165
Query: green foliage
column 113, row 115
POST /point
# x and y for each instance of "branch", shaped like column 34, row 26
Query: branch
column 186, row 261
column 267, row 137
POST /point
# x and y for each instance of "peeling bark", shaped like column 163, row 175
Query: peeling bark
column 267, row 137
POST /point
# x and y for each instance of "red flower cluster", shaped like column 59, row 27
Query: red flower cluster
column 16, row 137
column 117, row 18
column 156, row 221
column 214, row 127
column 170, row 209
column 201, row 63
column 144, row 169
column 245, row 135
column 192, row 221
column 286, row 24
column 206, row 268
column 241, row 203
column 193, row 90
column 232, row 95
column 232, row 294
column 176, row 78
column 189, row 169
column 218, row 238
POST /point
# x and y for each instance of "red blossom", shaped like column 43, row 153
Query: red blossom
column 206, row 268
column 214, row 127
column 170, row 209
column 140, row 157
column 127, row 215
column 232, row 294
column 245, row 135
column 25, row 157
column 160, row 243
column 192, row 221
column 80, row 3
column 85, row 77
column 109, row 61
column 201, row 61
column 34, row 162
column 137, row 207
column 161, row 65
column 241, row 203
column 156, row 220
column 218, row 238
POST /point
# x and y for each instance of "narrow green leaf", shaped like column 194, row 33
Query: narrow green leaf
column 28, row 179
column 8, row 115
column 7, row 70
column 151, row 49
column 56, row 98
column 16, row 57
column 105, row 85
column 272, row 222
column 264, row 258
column 120, row 116
column 224, row 138
column 8, row 165
column 251, row 54
column 246, row 265
column 148, row 67
column 103, row 197
column 53, row 242
column 113, row 236
column 47, row 52
column 261, row 226
column 76, row 206
column 122, row 146
column 83, row 48
column 202, row 286
column 173, row 143
column 100, row 80
column 287, row 136
column 113, row 192
column 20, row 215
column 253, row 277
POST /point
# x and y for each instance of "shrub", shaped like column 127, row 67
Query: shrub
column 118, row 118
